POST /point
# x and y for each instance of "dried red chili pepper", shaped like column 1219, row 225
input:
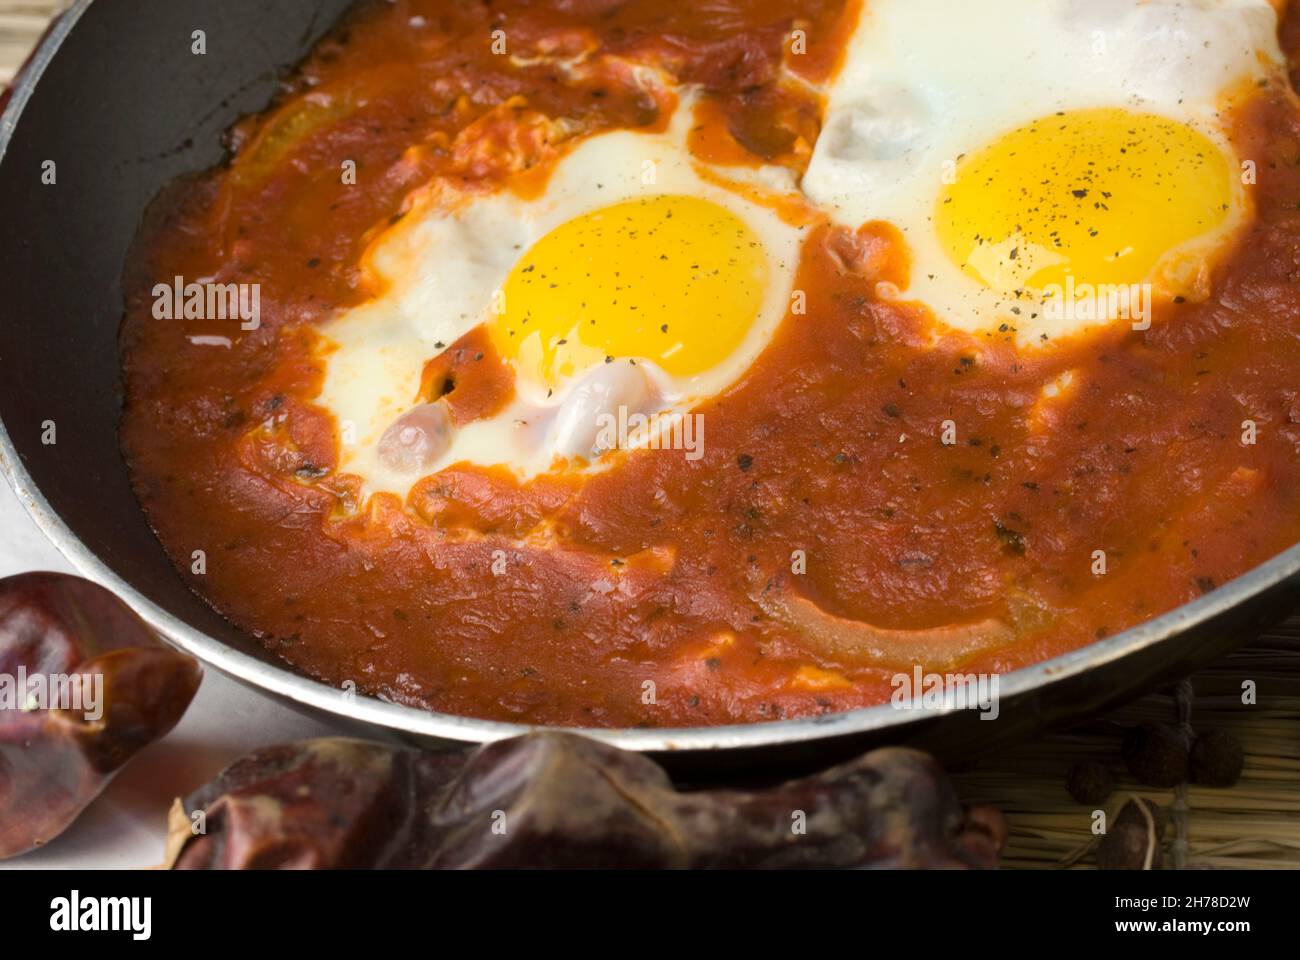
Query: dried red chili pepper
column 85, row 684
column 559, row 800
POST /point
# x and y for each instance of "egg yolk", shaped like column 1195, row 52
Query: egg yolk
column 676, row 280
column 1100, row 195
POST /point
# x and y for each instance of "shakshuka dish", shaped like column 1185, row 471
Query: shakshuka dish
column 622, row 363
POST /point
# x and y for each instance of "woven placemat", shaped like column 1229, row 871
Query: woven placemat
column 1253, row 694
column 1254, row 824
column 21, row 24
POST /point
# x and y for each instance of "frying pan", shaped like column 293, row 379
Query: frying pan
column 115, row 97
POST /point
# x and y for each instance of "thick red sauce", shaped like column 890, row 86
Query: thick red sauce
column 663, row 569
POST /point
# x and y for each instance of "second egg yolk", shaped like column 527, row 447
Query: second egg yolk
column 1100, row 195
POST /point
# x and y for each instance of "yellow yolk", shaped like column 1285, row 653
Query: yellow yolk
column 1100, row 195
column 676, row 280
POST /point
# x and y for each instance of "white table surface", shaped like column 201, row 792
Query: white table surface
column 124, row 827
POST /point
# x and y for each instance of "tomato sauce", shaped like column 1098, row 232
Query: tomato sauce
column 826, row 541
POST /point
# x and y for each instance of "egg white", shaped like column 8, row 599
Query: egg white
column 440, row 266
column 925, row 82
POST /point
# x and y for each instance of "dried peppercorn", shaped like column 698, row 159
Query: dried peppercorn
column 85, row 684
column 559, row 800
column 1217, row 759
column 1156, row 755
column 1126, row 847
column 1133, row 812
column 1090, row 782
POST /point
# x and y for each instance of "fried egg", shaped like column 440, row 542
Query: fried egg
column 639, row 281
column 1039, row 155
